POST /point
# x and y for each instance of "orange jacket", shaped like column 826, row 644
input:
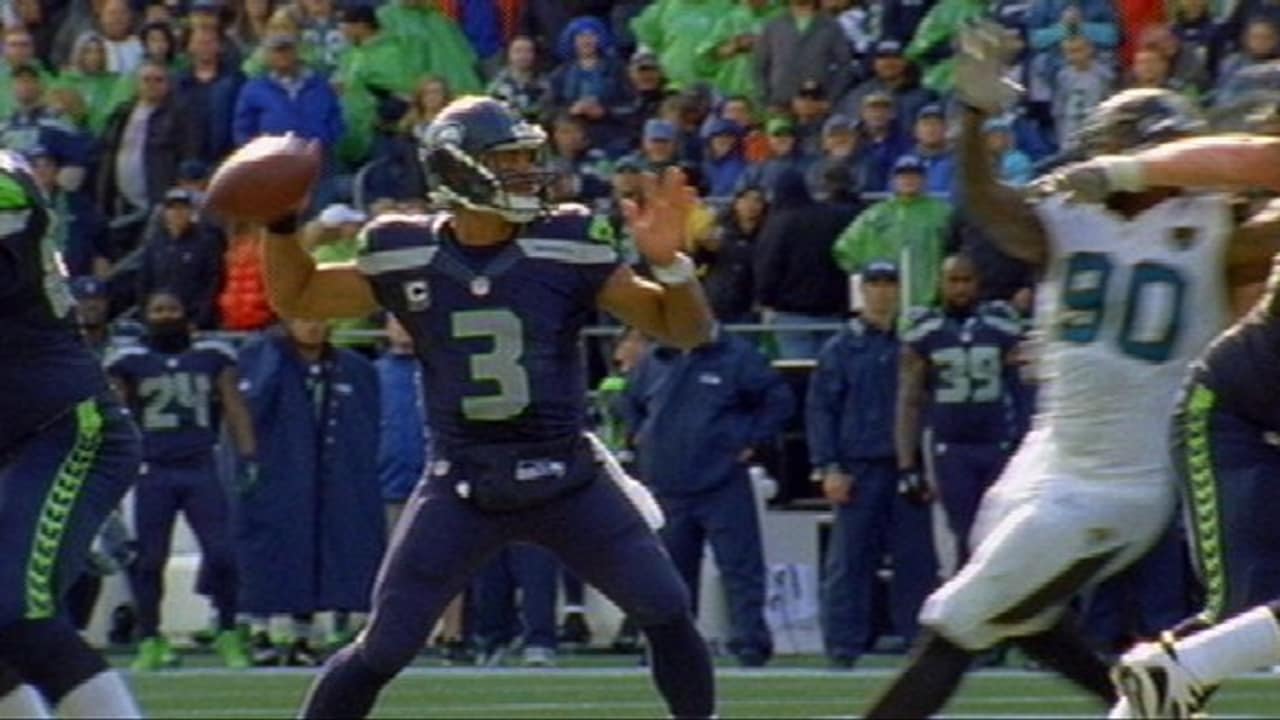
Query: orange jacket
column 243, row 301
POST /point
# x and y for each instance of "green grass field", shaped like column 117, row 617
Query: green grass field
column 611, row 689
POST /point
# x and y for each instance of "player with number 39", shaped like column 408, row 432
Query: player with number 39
column 494, row 292
column 956, row 422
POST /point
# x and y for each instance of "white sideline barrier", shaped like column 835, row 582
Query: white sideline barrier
column 791, row 552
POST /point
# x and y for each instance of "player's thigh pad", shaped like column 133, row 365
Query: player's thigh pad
column 55, row 494
column 1039, row 554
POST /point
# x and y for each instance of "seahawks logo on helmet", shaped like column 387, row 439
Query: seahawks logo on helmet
column 452, row 149
column 1138, row 118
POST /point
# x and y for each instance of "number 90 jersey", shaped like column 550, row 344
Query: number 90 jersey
column 173, row 396
column 1125, row 306
column 496, row 328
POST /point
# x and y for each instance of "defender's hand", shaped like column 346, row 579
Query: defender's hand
column 979, row 68
column 659, row 222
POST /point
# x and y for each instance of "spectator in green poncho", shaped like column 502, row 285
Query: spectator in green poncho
column 434, row 44
column 674, row 30
column 375, row 65
column 909, row 229
column 725, row 54
column 100, row 90
column 930, row 48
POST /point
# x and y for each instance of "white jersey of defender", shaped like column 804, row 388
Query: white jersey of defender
column 1125, row 306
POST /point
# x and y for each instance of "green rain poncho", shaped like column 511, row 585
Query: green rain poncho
column 734, row 75
column 934, row 37
column 675, row 29
column 378, row 63
column 102, row 94
column 435, row 45
column 910, row 231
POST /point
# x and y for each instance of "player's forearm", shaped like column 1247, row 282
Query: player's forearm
column 1235, row 161
column 299, row 289
column 241, row 425
column 906, row 432
column 288, row 269
column 1001, row 212
column 686, row 317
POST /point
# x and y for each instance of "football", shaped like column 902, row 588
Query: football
column 264, row 180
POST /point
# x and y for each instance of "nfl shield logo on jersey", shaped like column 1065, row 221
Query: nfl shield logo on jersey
column 1183, row 237
column 417, row 295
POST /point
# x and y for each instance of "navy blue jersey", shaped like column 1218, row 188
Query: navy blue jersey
column 45, row 369
column 1242, row 366
column 968, row 381
column 496, row 328
column 174, row 396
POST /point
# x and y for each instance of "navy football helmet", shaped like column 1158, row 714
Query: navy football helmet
column 1138, row 118
column 453, row 149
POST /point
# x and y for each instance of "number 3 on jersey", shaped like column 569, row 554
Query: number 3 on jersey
column 501, row 365
column 1153, row 306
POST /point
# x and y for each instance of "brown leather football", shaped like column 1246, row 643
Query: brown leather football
column 266, row 179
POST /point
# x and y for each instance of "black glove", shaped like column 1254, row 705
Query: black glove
column 247, row 475
column 912, row 486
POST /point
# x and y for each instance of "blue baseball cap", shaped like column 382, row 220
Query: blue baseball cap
column 35, row 152
column 998, row 124
column 657, row 129
column 87, row 287
column 880, row 270
column 839, row 123
column 933, row 110
column 723, row 126
column 888, row 48
column 908, row 164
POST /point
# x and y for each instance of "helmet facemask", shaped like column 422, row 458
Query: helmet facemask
column 478, row 182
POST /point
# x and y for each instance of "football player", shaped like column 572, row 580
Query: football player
column 493, row 292
column 956, row 380
column 1226, row 439
column 1135, row 287
column 178, row 389
column 68, row 453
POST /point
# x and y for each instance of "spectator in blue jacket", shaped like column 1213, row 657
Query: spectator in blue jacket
column 849, row 418
column 288, row 98
column 404, row 445
column 880, row 141
column 933, row 148
column 697, row 419
column 1049, row 22
column 590, row 80
column 723, row 162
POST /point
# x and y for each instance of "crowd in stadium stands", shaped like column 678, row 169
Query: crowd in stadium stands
column 818, row 133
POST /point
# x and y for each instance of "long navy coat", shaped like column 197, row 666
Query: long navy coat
column 310, row 535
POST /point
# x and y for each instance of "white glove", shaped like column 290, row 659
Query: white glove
column 1093, row 180
column 979, row 67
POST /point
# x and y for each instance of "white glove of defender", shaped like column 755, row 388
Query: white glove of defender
column 979, row 68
